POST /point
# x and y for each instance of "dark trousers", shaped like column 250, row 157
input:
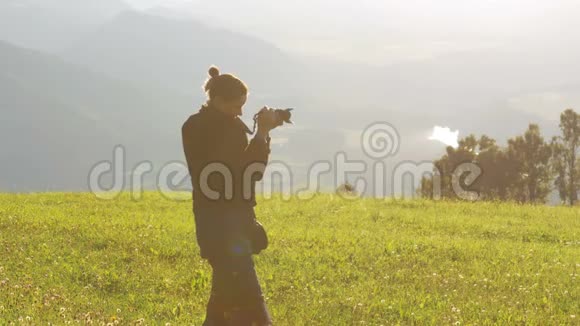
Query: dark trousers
column 236, row 296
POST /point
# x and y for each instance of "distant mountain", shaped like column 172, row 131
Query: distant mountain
column 381, row 32
column 176, row 53
column 451, row 89
column 44, row 142
column 468, row 90
column 138, row 75
column 51, row 25
column 59, row 119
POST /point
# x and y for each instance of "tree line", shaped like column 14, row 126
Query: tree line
column 527, row 170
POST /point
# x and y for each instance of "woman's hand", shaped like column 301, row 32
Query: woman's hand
column 268, row 120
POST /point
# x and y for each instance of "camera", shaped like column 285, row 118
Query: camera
column 282, row 116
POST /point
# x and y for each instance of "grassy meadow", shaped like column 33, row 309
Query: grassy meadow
column 72, row 258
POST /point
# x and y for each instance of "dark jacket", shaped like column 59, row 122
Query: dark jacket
column 209, row 137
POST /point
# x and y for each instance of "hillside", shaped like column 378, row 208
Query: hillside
column 51, row 25
column 53, row 111
column 176, row 53
column 44, row 142
column 465, row 90
column 138, row 76
column 73, row 257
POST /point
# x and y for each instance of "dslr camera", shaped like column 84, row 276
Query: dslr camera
column 282, row 116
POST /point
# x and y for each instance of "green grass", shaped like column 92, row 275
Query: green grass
column 72, row 257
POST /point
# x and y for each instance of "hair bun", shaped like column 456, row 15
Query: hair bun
column 214, row 71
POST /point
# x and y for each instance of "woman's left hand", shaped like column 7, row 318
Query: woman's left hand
column 268, row 119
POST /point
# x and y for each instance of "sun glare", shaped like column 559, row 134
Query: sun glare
column 446, row 136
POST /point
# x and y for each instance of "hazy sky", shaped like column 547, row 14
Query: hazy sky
column 142, row 4
column 380, row 32
column 484, row 66
column 387, row 31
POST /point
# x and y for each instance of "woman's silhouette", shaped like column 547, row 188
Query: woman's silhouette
column 219, row 159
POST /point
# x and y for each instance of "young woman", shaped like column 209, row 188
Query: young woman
column 224, row 167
